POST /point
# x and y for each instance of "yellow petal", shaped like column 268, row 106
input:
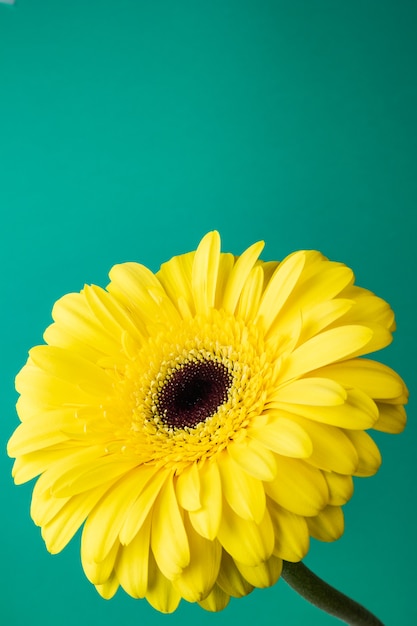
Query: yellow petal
column 368, row 307
column 45, row 390
column 246, row 541
column 73, row 316
column 239, row 275
column 381, row 338
column 298, row 487
column 319, row 283
column 184, row 309
column 392, row 419
column 44, row 462
column 358, row 411
column 206, row 520
column 109, row 588
column 226, row 264
column 254, row 458
column 56, row 335
column 168, row 537
column 139, row 290
column 262, row 575
column 133, row 562
column 204, row 272
column 292, row 540
column 67, row 366
column 40, row 431
column 330, row 345
column 322, row 279
column 320, row 316
column 283, row 436
column 284, row 342
column 373, row 378
column 100, row 573
column 244, row 493
column 43, row 506
column 340, row 488
column 188, row 488
column 53, row 462
column 251, row 295
column 147, row 488
column 106, row 520
column 197, row 579
column 312, row 391
column 328, row 525
column 269, row 268
column 59, row 529
column 160, row 592
column 115, row 318
column 216, row 601
column 332, row 450
column 175, row 277
column 231, row 580
column 368, row 453
column 93, row 473
column 27, row 409
column 280, row 287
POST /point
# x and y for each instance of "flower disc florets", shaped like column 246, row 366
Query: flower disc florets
column 204, row 422
column 184, row 390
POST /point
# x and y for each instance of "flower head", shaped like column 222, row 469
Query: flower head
column 204, row 421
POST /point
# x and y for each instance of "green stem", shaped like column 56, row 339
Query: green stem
column 325, row 597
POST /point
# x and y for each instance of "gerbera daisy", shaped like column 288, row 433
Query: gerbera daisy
column 204, row 421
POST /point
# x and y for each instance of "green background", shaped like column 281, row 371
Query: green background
column 127, row 130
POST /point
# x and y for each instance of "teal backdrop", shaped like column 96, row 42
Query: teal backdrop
column 130, row 128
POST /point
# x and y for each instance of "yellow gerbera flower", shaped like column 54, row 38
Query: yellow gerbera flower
column 203, row 422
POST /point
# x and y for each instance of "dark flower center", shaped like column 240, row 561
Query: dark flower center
column 193, row 393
